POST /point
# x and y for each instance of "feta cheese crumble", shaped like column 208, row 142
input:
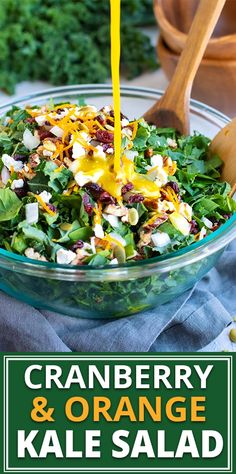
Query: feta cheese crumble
column 65, row 257
column 32, row 213
column 17, row 184
column 9, row 162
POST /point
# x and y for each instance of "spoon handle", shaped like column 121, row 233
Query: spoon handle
column 178, row 92
column 224, row 145
column 201, row 30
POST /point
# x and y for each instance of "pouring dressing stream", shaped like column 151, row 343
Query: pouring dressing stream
column 179, row 87
column 123, row 168
column 115, row 74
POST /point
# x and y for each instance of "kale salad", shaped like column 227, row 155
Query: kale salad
column 61, row 201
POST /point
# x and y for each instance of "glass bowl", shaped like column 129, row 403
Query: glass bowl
column 119, row 290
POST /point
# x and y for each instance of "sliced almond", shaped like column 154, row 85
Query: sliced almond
column 119, row 254
column 133, row 216
column 49, row 146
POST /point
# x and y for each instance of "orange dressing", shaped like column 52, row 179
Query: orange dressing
column 115, row 74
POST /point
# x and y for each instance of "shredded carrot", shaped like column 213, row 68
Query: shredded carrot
column 44, row 205
column 32, row 112
column 29, row 168
column 63, row 106
column 135, row 128
column 113, row 241
column 89, row 124
column 99, row 125
column 172, row 195
column 134, row 121
column 98, row 213
column 153, row 218
column 61, row 152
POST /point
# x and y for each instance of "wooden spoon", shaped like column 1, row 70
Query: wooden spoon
column 172, row 110
column 224, row 145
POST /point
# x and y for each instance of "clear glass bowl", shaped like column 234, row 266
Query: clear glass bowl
column 119, row 290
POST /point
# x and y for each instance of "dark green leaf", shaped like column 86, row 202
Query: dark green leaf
column 84, row 233
column 10, row 205
column 39, row 183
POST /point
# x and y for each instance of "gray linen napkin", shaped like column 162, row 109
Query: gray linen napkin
column 187, row 324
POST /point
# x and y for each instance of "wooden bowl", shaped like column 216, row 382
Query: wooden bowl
column 214, row 84
column 175, row 17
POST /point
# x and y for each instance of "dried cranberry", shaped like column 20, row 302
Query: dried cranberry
column 78, row 245
column 99, row 194
column 215, row 226
column 18, row 157
column 106, row 198
column 164, row 194
column 87, row 204
column 194, row 227
column 45, row 134
column 104, row 136
column 106, row 147
column 52, row 207
column 70, row 152
column 22, row 192
column 174, row 186
column 110, row 122
column 126, row 188
column 100, row 119
column 122, row 116
column 94, row 189
column 30, row 120
column 134, row 198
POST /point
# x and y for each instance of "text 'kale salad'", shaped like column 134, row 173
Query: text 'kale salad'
column 60, row 200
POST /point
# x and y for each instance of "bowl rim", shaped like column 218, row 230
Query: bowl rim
column 188, row 255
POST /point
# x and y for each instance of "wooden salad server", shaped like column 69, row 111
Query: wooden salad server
column 172, row 110
column 224, row 145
